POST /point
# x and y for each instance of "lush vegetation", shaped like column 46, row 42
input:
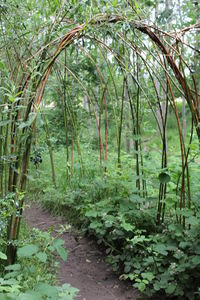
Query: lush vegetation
column 99, row 105
column 31, row 277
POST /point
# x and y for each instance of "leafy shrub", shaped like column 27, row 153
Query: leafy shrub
column 30, row 278
column 159, row 260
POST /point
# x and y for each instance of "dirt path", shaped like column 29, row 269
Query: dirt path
column 85, row 267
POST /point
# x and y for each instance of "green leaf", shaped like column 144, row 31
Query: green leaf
column 138, row 239
column 114, row 3
column 11, row 281
column 62, row 252
column 94, row 225
column 47, row 290
column 4, row 297
column 148, row 275
column 141, row 286
column 27, row 251
column 127, row 226
column 91, row 213
column 12, row 274
column 164, row 178
column 136, row 4
column 66, row 291
column 1, row 66
column 170, row 289
column 15, row 267
column 183, row 244
column 3, row 256
column 156, row 286
column 42, row 256
column 30, row 296
column 196, row 260
column 161, row 248
column 193, row 220
column 58, row 242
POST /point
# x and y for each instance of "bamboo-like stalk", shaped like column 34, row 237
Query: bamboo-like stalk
column 64, row 99
column 120, row 123
column 182, row 198
column 137, row 129
column 50, row 151
column 1, row 157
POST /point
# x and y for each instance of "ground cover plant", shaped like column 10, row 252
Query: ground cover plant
column 33, row 275
column 99, row 105
column 158, row 259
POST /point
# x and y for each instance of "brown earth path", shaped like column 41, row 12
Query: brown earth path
column 85, row 267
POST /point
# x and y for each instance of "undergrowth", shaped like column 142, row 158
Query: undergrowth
column 159, row 260
column 33, row 276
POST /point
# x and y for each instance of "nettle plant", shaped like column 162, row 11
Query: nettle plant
column 30, row 277
column 164, row 263
column 163, row 260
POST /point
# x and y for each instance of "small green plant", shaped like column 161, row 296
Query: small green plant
column 31, row 277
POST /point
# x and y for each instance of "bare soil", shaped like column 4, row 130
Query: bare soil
column 85, row 267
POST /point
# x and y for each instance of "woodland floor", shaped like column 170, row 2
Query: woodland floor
column 85, row 267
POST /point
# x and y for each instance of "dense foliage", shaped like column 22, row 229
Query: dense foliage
column 33, row 275
column 162, row 259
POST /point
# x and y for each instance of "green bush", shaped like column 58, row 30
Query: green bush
column 159, row 260
column 31, row 277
